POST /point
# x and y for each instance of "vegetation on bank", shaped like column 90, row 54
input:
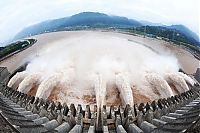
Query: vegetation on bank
column 164, row 32
column 177, row 34
column 172, row 36
column 95, row 20
column 16, row 46
column 168, row 34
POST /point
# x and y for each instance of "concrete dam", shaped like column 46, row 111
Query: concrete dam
column 100, row 82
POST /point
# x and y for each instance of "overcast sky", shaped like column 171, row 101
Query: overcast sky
column 18, row 14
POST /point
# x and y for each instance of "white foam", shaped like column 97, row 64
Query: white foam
column 73, row 64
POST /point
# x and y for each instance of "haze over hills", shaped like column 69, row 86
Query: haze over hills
column 86, row 20
column 150, row 23
column 184, row 29
column 89, row 19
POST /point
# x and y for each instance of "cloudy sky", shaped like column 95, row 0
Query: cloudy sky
column 17, row 14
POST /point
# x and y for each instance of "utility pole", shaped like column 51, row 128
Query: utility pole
column 145, row 31
column 173, row 35
column 135, row 30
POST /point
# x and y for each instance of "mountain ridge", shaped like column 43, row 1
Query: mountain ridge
column 97, row 20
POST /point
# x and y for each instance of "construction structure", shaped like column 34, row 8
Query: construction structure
column 25, row 113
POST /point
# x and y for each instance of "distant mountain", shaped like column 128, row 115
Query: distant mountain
column 179, row 28
column 1, row 48
column 185, row 30
column 147, row 23
column 87, row 20
column 171, row 33
column 94, row 18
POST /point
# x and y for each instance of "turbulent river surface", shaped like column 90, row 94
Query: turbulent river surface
column 93, row 67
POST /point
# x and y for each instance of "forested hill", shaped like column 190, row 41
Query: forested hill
column 88, row 20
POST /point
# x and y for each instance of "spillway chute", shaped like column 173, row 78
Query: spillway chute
column 17, row 79
column 124, row 88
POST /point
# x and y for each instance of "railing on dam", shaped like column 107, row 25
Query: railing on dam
column 27, row 113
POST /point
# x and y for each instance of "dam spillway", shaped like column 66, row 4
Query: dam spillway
column 26, row 113
column 108, row 68
column 111, row 84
